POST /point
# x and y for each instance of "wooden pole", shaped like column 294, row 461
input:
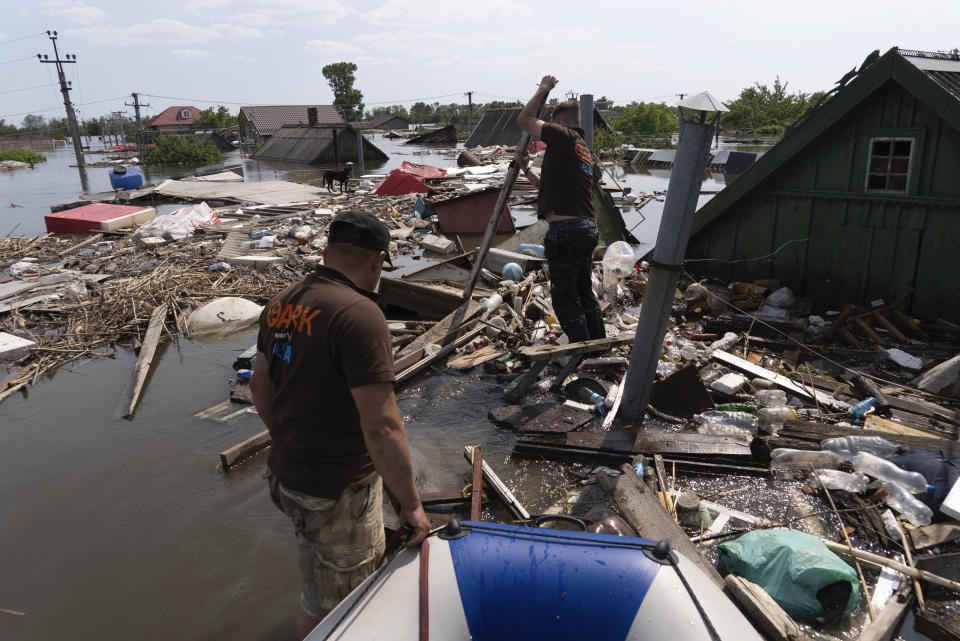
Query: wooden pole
column 498, row 486
column 476, row 485
column 913, row 573
column 147, row 352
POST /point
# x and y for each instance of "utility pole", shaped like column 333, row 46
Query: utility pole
column 469, row 96
column 136, row 110
column 71, row 58
column 681, row 96
column 119, row 137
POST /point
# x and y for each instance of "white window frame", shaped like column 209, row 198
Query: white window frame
column 913, row 140
column 186, row 114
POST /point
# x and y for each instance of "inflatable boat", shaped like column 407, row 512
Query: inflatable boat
column 494, row 582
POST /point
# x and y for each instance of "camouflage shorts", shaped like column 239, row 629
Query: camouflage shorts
column 340, row 541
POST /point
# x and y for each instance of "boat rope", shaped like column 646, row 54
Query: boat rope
column 696, row 601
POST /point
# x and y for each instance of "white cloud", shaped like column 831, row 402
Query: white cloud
column 445, row 13
column 73, row 10
column 162, row 30
column 190, row 54
column 333, row 48
column 302, row 13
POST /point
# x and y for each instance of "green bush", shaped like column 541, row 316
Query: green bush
column 181, row 150
column 23, row 155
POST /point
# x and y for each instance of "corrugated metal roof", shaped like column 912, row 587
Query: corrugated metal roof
column 499, row 126
column 269, row 118
column 384, row 118
column 172, row 116
column 949, row 80
column 296, row 143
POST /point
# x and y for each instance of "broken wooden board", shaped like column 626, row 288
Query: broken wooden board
column 247, row 448
column 436, row 334
column 513, row 416
column 641, row 508
column 478, row 357
column 780, row 381
column 935, row 534
column 887, row 623
column 429, row 302
column 880, row 424
column 815, row 432
column 940, row 621
column 144, row 360
column 542, row 353
column 501, row 489
column 559, row 418
column 760, row 607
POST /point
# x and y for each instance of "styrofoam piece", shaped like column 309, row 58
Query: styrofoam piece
column 951, row 504
column 439, row 244
column 728, row 384
column 222, row 315
column 257, row 262
column 13, row 346
column 940, row 377
column 903, row 359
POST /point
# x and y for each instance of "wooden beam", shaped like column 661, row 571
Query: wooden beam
column 936, row 534
column 477, row 484
column 519, row 512
column 441, row 353
column 249, row 447
column 780, row 381
column 547, row 352
column 766, row 614
column 885, row 626
column 147, row 351
column 643, row 511
column 80, row 245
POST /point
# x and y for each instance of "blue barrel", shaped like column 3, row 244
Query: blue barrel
column 126, row 177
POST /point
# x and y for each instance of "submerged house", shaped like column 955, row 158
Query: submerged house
column 262, row 121
column 173, row 118
column 499, row 126
column 318, row 143
column 390, row 121
column 859, row 202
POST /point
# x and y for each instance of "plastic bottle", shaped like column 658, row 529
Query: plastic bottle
column 773, row 418
column 726, row 430
column 729, row 340
column 860, row 409
column 599, row 403
column 750, row 408
column 493, row 302
column 786, row 459
column 742, row 420
column 672, row 354
column 850, row 445
column 837, row 480
column 688, row 352
column 909, row 507
column 666, row 368
column 914, row 482
column 257, row 234
column 771, row 398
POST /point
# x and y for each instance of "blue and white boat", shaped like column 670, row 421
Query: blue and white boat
column 493, row 582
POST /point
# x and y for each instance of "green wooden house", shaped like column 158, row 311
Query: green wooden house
column 859, row 202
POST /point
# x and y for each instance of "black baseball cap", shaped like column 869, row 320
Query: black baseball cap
column 360, row 229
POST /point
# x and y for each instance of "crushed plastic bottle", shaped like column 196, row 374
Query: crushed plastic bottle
column 741, row 420
column 837, row 480
column 771, row 398
column 773, row 418
column 913, row 482
column 909, row 507
column 726, row 430
column 787, row 459
column 891, row 526
column 729, row 340
column 666, row 369
column 599, row 403
column 850, row 445
column 688, row 352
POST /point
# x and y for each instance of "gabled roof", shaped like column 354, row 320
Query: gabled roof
column 269, row 118
column 303, row 143
column 498, row 126
column 174, row 116
column 383, row 118
column 932, row 78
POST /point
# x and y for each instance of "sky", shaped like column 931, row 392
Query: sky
column 236, row 52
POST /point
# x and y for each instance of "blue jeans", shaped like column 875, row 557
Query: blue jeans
column 569, row 246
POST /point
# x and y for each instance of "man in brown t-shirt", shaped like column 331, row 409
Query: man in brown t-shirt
column 566, row 202
column 323, row 385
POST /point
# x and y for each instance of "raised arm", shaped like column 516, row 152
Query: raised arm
column 386, row 441
column 528, row 120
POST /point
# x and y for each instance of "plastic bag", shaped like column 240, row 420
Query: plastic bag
column 791, row 566
column 180, row 224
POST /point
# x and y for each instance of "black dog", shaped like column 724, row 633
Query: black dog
column 343, row 177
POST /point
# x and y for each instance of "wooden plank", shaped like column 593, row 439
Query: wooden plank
column 870, row 332
column 936, row 534
column 642, row 510
column 763, row 611
column 476, row 487
column 498, row 486
column 519, row 386
column 939, row 621
column 541, row 353
column 145, row 359
column 880, row 424
column 80, row 245
column 781, row 381
column 440, row 332
column 249, row 447
column 441, row 353
column 560, row 418
column 431, row 302
column 479, row 357
column 885, row 626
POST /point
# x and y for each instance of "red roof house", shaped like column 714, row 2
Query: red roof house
column 181, row 117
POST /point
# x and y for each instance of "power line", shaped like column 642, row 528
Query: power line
column 27, row 88
column 7, row 62
column 34, row 35
column 83, row 104
column 253, row 102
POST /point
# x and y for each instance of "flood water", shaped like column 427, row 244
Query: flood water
column 116, row 529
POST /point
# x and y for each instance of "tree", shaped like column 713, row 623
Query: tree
column 5, row 129
column 765, row 109
column 215, row 119
column 643, row 118
column 340, row 77
column 33, row 122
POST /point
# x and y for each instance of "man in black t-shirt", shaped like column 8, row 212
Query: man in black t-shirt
column 323, row 385
column 566, row 202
